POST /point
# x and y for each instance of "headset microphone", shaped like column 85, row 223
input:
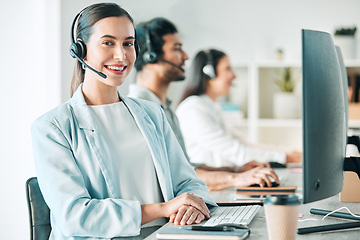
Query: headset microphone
column 172, row 64
column 82, row 61
column 78, row 48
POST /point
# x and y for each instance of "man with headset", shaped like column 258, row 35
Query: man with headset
column 161, row 61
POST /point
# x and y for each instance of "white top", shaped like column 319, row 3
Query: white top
column 137, row 91
column 208, row 140
column 132, row 159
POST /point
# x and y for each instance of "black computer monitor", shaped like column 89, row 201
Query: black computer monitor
column 325, row 123
column 323, row 116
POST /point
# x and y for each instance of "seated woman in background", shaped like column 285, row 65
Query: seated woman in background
column 206, row 137
column 109, row 165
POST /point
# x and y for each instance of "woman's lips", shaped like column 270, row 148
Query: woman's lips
column 117, row 69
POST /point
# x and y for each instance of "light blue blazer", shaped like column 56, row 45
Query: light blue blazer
column 77, row 176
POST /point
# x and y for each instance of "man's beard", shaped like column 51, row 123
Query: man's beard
column 174, row 75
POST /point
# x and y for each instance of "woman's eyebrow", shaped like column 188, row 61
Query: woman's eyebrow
column 108, row 36
column 113, row 37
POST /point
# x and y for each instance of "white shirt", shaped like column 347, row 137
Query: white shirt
column 138, row 91
column 132, row 159
column 208, row 140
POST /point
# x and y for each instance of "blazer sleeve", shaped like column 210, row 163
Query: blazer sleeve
column 73, row 211
column 206, row 137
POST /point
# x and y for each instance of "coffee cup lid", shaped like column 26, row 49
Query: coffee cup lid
column 282, row 200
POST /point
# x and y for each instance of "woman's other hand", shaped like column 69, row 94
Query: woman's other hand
column 186, row 209
column 187, row 215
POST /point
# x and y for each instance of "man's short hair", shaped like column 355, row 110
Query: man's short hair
column 156, row 28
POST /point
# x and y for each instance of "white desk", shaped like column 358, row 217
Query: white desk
column 258, row 225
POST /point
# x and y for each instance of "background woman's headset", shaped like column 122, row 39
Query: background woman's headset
column 209, row 68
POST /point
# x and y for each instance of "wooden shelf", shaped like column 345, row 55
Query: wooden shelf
column 254, row 90
column 282, row 123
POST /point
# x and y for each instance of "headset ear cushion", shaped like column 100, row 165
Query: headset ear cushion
column 82, row 49
column 209, row 71
column 150, row 57
column 78, row 48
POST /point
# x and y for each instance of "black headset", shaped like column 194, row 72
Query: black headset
column 149, row 55
column 209, row 68
column 77, row 48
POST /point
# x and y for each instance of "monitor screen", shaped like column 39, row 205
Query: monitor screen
column 323, row 116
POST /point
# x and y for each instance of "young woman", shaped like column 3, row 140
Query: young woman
column 206, row 137
column 108, row 165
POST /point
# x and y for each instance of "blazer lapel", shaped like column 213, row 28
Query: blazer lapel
column 87, row 124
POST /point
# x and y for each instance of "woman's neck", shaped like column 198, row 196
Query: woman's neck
column 211, row 94
column 100, row 94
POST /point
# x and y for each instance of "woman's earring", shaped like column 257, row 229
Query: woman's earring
column 83, row 66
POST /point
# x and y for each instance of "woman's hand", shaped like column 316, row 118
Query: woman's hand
column 184, row 202
column 258, row 175
column 187, row 215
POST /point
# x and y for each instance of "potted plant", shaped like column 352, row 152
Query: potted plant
column 286, row 102
column 345, row 39
column 279, row 54
column 286, row 82
column 345, row 31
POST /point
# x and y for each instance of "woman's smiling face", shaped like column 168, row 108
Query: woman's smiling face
column 111, row 50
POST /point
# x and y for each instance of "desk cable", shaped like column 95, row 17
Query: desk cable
column 314, row 219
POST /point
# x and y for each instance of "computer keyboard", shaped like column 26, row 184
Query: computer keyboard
column 230, row 215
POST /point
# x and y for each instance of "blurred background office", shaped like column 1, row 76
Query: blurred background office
column 36, row 67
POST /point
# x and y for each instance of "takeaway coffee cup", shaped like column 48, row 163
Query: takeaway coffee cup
column 281, row 213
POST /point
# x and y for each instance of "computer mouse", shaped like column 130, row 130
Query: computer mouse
column 233, row 225
column 273, row 184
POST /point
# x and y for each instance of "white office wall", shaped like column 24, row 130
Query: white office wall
column 246, row 30
column 36, row 67
column 30, row 67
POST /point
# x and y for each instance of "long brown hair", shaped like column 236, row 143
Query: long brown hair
column 197, row 81
column 88, row 17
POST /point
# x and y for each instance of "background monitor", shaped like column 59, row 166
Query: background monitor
column 323, row 116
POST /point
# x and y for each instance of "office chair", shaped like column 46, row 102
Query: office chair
column 39, row 212
column 355, row 140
